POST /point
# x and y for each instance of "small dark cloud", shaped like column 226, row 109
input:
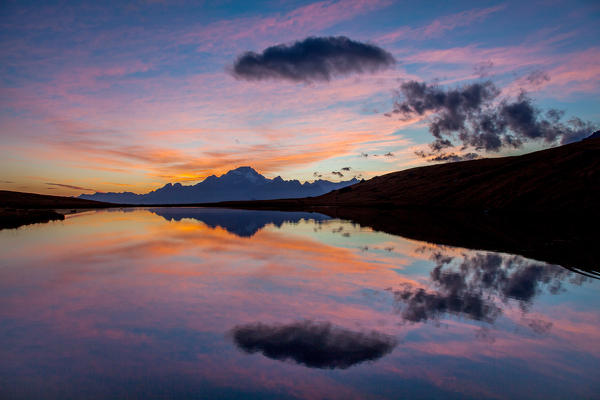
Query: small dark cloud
column 312, row 59
column 447, row 157
column 69, row 186
column 338, row 173
column 579, row 130
column 346, row 169
column 389, row 154
column 538, row 326
column 365, row 155
column 537, row 77
column 313, row 344
column 474, row 117
column 485, row 334
column 483, row 68
column 317, row 175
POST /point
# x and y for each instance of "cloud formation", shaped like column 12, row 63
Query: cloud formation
column 446, row 157
column 537, row 77
column 475, row 117
column 313, row 344
column 69, row 186
column 312, row 59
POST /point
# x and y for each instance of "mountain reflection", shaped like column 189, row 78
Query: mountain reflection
column 313, row 344
column 478, row 286
column 243, row 223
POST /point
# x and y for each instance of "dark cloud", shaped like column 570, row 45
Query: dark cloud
column 338, row 173
column 313, row 344
column 69, row 186
column 483, row 68
column 579, row 130
column 317, row 175
column 312, row 59
column 346, row 169
column 447, row 157
column 538, row 326
column 365, row 155
column 537, row 77
column 479, row 286
column 389, row 154
column 474, row 117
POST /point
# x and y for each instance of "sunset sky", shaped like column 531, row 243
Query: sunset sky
column 129, row 96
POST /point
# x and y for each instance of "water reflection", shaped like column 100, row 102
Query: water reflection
column 132, row 305
column 240, row 222
column 478, row 286
column 313, row 344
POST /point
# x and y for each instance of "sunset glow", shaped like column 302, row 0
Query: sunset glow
column 130, row 96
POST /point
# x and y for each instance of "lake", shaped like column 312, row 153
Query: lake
column 210, row 303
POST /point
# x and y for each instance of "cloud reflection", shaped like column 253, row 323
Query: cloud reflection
column 480, row 286
column 313, row 344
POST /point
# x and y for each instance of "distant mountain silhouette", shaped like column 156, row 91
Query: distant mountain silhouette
column 242, row 183
column 563, row 180
column 244, row 223
column 542, row 205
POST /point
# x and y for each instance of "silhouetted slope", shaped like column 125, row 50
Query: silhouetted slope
column 18, row 208
column 14, row 218
column 9, row 199
column 561, row 179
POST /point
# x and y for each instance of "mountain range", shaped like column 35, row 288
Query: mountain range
column 242, row 183
column 556, row 181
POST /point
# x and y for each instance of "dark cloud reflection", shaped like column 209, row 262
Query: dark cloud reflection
column 313, row 344
column 478, row 288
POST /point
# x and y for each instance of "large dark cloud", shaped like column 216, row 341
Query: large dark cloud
column 312, row 59
column 478, row 287
column 313, row 344
column 474, row 116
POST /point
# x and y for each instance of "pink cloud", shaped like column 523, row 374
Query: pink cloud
column 440, row 25
column 303, row 21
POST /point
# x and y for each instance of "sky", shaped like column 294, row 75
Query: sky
column 128, row 96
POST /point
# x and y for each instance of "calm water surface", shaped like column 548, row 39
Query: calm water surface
column 206, row 303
